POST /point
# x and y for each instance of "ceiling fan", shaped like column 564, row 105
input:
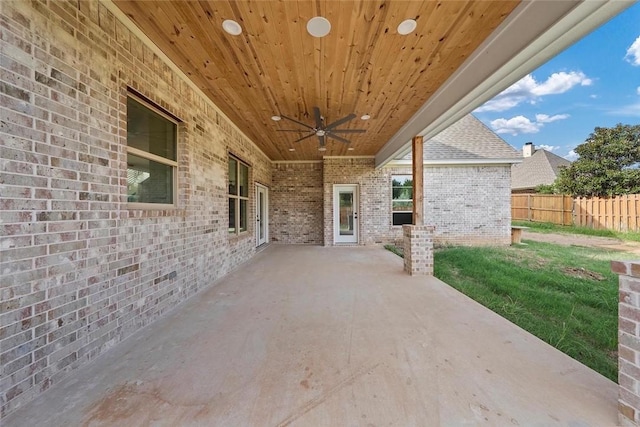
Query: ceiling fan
column 321, row 130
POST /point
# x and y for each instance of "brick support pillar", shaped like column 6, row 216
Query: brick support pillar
column 628, row 342
column 418, row 249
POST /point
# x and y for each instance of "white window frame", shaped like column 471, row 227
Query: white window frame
column 400, row 200
column 156, row 158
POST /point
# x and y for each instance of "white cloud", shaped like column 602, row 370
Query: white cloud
column 514, row 125
column 593, row 96
column 572, row 156
column 529, row 90
column 561, row 82
column 544, row 118
column 633, row 53
column 638, row 90
column 548, row 147
column 521, row 124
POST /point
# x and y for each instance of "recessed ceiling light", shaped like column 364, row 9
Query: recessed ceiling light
column 365, row 117
column 232, row 27
column 276, row 118
column 292, row 149
column 350, row 149
column 407, row 26
column 322, row 149
column 318, row 26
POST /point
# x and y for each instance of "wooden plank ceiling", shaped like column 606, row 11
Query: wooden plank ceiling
column 363, row 66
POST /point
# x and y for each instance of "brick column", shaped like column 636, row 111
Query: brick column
column 418, row 249
column 628, row 342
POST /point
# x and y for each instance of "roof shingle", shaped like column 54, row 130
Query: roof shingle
column 468, row 139
column 541, row 168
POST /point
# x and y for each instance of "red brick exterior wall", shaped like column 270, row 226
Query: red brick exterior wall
column 628, row 341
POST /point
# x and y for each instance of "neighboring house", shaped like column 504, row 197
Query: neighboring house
column 537, row 168
column 467, row 184
column 140, row 163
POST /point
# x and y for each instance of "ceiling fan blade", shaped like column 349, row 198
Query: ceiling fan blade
column 295, row 121
column 316, row 114
column 339, row 138
column 348, row 130
column 304, row 137
column 340, row 121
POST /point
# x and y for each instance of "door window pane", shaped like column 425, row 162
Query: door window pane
column 261, row 217
column 346, row 214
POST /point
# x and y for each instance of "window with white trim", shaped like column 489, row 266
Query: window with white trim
column 151, row 154
column 402, row 199
column 238, row 195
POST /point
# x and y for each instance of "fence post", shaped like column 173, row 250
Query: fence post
column 529, row 207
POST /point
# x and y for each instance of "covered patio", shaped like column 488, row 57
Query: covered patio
column 313, row 336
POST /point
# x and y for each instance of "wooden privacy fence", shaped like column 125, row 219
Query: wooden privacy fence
column 621, row 213
column 553, row 208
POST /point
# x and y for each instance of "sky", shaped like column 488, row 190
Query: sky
column 594, row 83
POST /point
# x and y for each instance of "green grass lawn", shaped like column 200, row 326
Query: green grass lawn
column 565, row 295
column 545, row 227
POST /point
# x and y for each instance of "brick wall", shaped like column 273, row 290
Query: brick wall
column 628, row 341
column 81, row 271
column 418, row 249
column 468, row 205
column 374, row 187
column 296, row 203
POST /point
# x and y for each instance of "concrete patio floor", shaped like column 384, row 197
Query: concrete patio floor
column 313, row 336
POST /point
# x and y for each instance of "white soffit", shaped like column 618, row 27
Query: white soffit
column 533, row 33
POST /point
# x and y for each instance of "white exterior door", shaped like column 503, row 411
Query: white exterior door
column 345, row 213
column 262, row 215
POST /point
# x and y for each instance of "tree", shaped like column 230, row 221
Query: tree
column 547, row 189
column 609, row 164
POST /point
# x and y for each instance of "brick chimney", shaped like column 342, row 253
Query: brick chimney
column 528, row 149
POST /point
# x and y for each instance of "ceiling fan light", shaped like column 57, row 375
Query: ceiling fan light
column 292, row 149
column 407, row 26
column 232, row 27
column 276, row 118
column 350, row 149
column 365, row 117
column 318, row 26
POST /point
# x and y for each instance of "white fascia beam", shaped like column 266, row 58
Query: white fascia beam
column 455, row 162
column 533, row 33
